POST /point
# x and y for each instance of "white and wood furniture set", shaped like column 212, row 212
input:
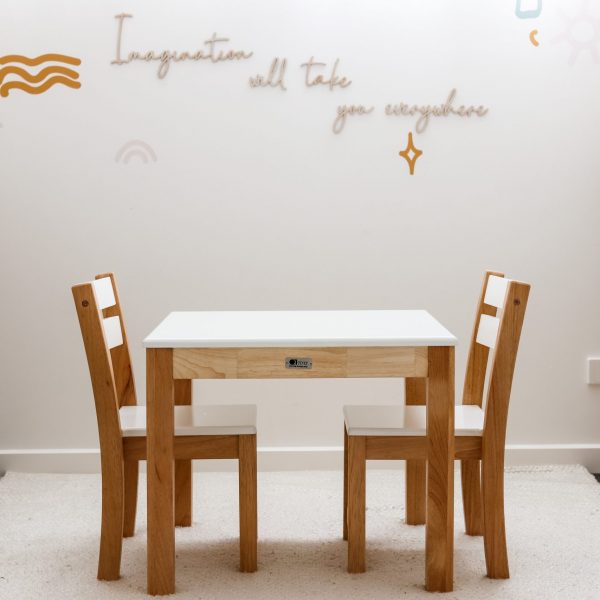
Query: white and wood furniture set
column 169, row 433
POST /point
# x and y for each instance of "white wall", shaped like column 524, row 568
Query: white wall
column 254, row 203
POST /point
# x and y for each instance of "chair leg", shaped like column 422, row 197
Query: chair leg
column 183, row 468
column 494, row 533
column 416, row 496
column 248, row 503
column 415, row 391
column 113, row 514
column 345, row 524
column 183, row 493
column 131, row 468
column 357, row 466
column 470, row 474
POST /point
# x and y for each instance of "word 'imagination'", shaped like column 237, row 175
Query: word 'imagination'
column 211, row 53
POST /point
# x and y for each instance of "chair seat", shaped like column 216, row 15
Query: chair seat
column 230, row 419
column 407, row 420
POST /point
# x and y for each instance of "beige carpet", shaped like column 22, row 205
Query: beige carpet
column 49, row 527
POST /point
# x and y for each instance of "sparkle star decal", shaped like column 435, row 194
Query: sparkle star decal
column 410, row 153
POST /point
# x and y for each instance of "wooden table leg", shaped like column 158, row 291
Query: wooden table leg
column 183, row 468
column 160, row 429
column 439, row 542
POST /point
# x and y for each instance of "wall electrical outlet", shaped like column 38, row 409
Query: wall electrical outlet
column 593, row 371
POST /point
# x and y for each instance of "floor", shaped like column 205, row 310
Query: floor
column 49, row 546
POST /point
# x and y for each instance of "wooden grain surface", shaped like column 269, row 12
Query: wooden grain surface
column 269, row 363
column 183, row 468
column 109, row 431
column 161, row 509
column 356, row 503
column 439, row 537
column 415, row 391
column 248, row 503
column 494, row 431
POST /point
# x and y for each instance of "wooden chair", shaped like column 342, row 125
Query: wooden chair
column 398, row 432
column 200, row 432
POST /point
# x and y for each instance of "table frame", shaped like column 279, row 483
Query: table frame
column 167, row 368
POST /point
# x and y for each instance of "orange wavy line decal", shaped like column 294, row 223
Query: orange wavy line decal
column 9, row 85
column 47, row 77
column 40, row 76
column 32, row 62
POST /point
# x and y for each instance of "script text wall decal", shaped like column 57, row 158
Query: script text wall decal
column 275, row 77
column 333, row 81
column 346, row 110
column 212, row 53
column 441, row 110
column 315, row 74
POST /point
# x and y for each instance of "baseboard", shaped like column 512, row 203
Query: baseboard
column 284, row 458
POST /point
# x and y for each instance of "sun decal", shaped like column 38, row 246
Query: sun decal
column 582, row 32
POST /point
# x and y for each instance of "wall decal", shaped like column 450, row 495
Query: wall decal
column 135, row 148
column 275, row 77
column 427, row 111
column 410, row 153
column 333, row 81
column 582, row 33
column 532, row 37
column 316, row 74
column 60, row 74
column 212, row 54
column 528, row 14
column 348, row 110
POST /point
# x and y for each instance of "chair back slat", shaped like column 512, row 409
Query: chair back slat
column 105, row 296
column 112, row 332
column 478, row 353
column 121, row 359
column 100, row 367
column 487, row 332
column 503, row 366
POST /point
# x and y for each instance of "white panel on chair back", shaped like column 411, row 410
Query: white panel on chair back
column 112, row 331
column 487, row 330
column 105, row 295
column 495, row 292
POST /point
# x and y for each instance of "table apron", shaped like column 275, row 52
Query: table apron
column 270, row 363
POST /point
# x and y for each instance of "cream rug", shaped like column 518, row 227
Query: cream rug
column 49, row 528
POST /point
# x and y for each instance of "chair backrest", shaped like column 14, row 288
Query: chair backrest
column 107, row 351
column 498, row 325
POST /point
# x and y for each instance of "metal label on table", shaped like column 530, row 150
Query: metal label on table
column 298, row 363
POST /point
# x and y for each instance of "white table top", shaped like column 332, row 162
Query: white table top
column 304, row 328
